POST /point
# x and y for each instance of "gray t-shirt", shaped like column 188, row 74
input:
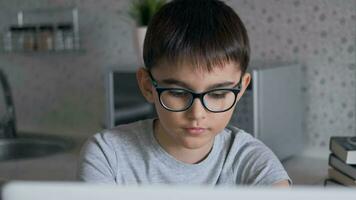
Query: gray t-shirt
column 130, row 154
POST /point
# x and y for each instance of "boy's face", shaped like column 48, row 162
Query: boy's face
column 195, row 127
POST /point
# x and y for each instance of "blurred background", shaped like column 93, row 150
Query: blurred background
column 64, row 93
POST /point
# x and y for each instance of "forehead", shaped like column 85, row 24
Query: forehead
column 186, row 70
column 195, row 78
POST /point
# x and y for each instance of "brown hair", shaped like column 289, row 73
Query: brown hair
column 204, row 33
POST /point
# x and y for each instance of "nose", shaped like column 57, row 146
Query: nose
column 197, row 110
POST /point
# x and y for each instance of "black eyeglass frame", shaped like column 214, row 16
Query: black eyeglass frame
column 236, row 90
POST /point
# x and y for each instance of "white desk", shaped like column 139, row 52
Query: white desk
column 306, row 170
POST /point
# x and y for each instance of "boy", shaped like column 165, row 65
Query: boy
column 196, row 53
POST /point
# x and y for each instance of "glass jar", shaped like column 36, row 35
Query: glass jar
column 45, row 38
column 17, row 38
column 7, row 41
column 58, row 39
column 68, row 36
column 29, row 34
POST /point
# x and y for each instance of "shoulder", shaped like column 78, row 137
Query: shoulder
column 125, row 132
column 252, row 161
column 119, row 137
column 101, row 154
column 245, row 145
column 241, row 140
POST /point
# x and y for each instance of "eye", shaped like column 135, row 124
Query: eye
column 221, row 94
column 178, row 93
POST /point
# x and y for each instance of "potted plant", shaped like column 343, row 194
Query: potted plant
column 142, row 12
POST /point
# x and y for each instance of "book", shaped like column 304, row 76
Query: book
column 341, row 178
column 349, row 170
column 344, row 148
column 332, row 183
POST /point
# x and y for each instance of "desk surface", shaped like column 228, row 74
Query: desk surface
column 305, row 170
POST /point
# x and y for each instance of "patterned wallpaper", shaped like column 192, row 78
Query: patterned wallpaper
column 65, row 93
column 321, row 36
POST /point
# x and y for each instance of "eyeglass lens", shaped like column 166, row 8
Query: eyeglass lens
column 216, row 100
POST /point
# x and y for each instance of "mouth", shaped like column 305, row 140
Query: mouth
column 195, row 130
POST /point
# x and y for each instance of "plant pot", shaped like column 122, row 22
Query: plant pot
column 140, row 33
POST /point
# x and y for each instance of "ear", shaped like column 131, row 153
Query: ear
column 245, row 81
column 145, row 84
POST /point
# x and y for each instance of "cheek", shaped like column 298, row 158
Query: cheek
column 165, row 116
column 170, row 121
column 220, row 120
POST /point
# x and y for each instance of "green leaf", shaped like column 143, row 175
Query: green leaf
column 142, row 11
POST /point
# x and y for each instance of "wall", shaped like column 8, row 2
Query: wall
column 320, row 35
column 64, row 93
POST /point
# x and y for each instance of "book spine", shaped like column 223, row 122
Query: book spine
column 340, row 177
column 338, row 150
column 332, row 182
column 342, row 166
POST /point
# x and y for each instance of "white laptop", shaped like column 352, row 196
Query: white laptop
column 85, row 191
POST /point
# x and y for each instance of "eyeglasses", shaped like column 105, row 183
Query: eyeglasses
column 180, row 99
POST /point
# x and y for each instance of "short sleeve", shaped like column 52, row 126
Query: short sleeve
column 97, row 162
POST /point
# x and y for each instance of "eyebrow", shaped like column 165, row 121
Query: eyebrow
column 184, row 85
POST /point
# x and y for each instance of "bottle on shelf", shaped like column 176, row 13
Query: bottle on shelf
column 7, row 41
column 29, row 38
column 58, row 39
column 17, row 38
column 68, row 35
column 45, row 37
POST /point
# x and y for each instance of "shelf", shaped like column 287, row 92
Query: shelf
column 52, row 52
column 43, row 30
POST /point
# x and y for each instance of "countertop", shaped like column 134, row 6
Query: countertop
column 56, row 167
column 307, row 170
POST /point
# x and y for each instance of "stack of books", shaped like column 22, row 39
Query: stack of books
column 342, row 161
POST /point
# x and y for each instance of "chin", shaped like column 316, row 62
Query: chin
column 193, row 145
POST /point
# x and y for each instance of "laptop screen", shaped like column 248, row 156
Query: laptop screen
column 86, row 191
